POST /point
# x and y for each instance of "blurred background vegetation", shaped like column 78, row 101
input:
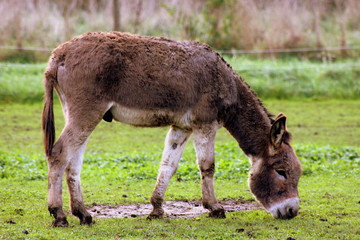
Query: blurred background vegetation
column 31, row 28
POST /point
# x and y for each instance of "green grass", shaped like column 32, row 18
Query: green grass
column 121, row 159
column 328, row 211
column 334, row 123
column 292, row 78
column 21, row 82
column 230, row 164
column 124, row 160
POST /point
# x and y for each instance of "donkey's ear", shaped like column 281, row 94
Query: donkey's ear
column 278, row 130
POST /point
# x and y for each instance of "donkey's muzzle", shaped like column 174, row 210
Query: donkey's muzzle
column 287, row 209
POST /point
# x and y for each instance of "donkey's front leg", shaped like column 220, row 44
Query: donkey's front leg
column 174, row 145
column 73, row 181
column 204, row 138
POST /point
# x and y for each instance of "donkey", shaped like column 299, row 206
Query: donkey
column 153, row 82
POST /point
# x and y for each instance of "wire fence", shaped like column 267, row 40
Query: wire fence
column 247, row 67
column 232, row 52
column 333, row 66
column 37, row 49
column 289, row 50
column 24, row 65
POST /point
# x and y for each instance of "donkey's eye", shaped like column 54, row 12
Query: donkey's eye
column 282, row 173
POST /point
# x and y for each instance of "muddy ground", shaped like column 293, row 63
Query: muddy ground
column 173, row 209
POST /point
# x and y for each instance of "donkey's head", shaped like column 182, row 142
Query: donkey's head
column 274, row 176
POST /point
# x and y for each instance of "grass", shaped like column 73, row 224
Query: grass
column 292, row 78
column 334, row 123
column 21, row 82
column 124, row 160
column 230, row 165
column 329, row 211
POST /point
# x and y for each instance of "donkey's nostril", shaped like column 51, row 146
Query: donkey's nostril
column 291, row 213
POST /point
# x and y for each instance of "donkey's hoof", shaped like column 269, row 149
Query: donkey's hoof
column 87, row 220
column 83, row 215
column 156, row 214
column 217, row 213
column 60, row 222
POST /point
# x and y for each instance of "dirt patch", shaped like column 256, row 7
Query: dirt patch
column 173, row 209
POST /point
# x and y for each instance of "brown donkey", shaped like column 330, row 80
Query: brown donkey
column 151, row 82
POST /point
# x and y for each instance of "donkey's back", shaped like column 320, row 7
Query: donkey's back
column 130, row 72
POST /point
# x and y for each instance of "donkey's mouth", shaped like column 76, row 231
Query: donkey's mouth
column 287, row 209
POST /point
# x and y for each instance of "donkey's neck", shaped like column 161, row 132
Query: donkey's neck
column 248, row 121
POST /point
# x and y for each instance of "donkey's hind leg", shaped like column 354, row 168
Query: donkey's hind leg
column 73, row 181
column 57, row 163
column 174, row 145
column 67, row 156
column 204, row 138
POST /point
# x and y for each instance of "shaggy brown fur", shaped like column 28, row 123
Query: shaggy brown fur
column 177, row 76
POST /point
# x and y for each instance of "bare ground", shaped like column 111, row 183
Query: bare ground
column 173, row 209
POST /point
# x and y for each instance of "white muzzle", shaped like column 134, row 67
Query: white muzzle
column 286, row 209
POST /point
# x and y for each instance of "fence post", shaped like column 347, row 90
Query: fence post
column 116, row 15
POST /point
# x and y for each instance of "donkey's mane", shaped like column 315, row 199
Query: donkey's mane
column 258, row 100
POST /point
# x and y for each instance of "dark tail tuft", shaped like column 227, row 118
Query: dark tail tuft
column 48, row 123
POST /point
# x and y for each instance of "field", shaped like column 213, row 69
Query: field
column 280, row 79
column 120, row 166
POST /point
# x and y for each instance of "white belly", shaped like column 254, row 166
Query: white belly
column 147, row 118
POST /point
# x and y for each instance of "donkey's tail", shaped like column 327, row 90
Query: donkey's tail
column 48, row 123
